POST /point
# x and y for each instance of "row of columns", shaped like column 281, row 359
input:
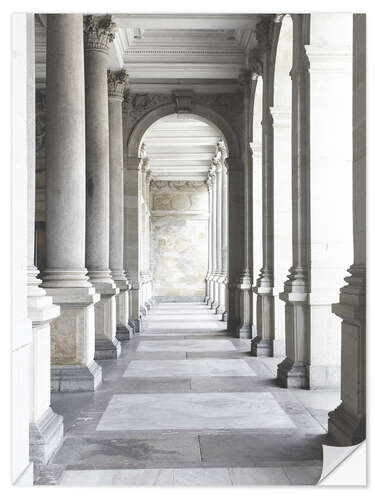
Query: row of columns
column 320, row 240
column 84, row 274
column 217, row 279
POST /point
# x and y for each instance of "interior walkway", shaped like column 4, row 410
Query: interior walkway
column 187, row 405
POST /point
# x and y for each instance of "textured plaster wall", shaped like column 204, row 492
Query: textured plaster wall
column 179, row 237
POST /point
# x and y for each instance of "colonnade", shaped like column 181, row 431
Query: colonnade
column 217, row 274
column 281, row 228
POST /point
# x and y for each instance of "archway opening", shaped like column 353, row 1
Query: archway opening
column 179, row 245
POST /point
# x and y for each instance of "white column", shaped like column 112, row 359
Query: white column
column 223, row 280
column 257, row 216
column 98, row 34
column 132, row 236
column 209, row 271
column 65, row 278
column 331, row 126
column 117, row 82
column 46, row 427
column 347, row 424
column 262, row 344
column 282, row 126
column 219, row 223
column 21, row 341
column 214, row 230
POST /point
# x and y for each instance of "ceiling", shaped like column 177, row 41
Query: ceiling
column 161, row 52
column 180, row 147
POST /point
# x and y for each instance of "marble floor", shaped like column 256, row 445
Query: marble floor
column 185, row 404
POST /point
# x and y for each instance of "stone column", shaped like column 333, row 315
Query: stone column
column 262, row 344
column 132, row 236
column 219, row 223
column 223, row 281
column 244, row 285
column 65, row 278
column 117, row 82
column 209, row 271
column 292, row 372
column 98, row 34
column 347, row 424
column 235, row 238
column 46, row 427
column 282, row 117
column 214, row 229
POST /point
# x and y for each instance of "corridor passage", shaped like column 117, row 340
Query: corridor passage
column 187, row 405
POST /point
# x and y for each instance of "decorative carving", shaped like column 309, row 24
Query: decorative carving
column 189, row 186
column 117, row 82
column 40, row 122
column 184, row 100
column 126, row 101
column 255, row 68
column 98, row 32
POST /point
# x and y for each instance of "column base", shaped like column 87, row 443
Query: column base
column 344, row 429
column 148, row 306
column 213, row 304
column 71, row 378
column 136, row 324
column 107, row 348
column 124, row 332
column 220, row 309
column 262, row 347
column 243, row 331
column 46, row 436
column 224, row 316
column 292, row 374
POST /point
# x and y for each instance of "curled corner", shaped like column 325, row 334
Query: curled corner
column 344, row 465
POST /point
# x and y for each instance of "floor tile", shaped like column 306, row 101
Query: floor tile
column 194, row 411
column 189, row 368
column 186, row 345
column 120, row 452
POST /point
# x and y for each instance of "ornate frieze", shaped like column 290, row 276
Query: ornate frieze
column 98, row 32
column 117, row 83
column 190, row 186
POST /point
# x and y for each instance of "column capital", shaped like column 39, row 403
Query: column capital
column 117, row 83
column 98, row 32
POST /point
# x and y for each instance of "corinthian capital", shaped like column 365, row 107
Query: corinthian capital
column 98, row 32
column 117, row 83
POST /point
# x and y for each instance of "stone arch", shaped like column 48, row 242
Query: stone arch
column 202, row 112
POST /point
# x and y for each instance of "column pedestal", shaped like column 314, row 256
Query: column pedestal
column 46, row 428
column 244, row 327
column 72, row 345
column 263, row 343
column 106, row 344
column 293, row 371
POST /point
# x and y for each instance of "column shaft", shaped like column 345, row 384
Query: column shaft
column 292, row 371
column 65, row 279
column 98, row 34
column 117, row 82
column 347, row 423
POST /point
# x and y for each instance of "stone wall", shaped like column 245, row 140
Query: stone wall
column 179, row 238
